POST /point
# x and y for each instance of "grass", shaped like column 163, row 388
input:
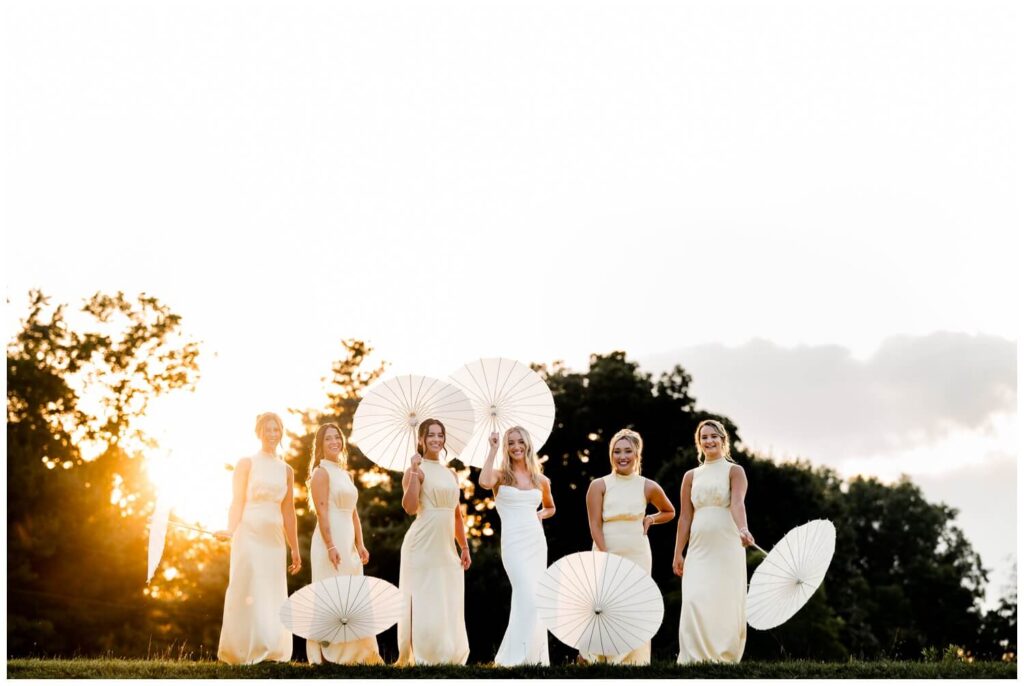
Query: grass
column 84, row 668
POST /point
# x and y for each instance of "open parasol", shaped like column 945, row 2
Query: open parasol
column 790, row 574
column 342, row 608
column 504, row 393
column 158, row 533
column 385, row 423
column 599, row 603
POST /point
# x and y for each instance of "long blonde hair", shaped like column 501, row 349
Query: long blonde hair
column 722, row 433
column 507, row 476
column 634, row 439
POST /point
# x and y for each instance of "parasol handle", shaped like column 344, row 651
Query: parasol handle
column 193, row 528
column 759, row 548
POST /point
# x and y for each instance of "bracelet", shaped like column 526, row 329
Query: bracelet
column 332, row 548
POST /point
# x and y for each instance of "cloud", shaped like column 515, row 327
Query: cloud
column 941, row 408
column 822, row 403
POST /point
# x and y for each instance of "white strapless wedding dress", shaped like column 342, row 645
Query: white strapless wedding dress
column 524, row 554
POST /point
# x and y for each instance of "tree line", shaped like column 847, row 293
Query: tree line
column 904, row 579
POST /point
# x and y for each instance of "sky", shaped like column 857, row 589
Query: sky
column 813, row 207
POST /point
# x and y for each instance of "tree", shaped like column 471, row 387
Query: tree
column 997, row 638
column 76, row 493
column 903, row 576
column 923, row 579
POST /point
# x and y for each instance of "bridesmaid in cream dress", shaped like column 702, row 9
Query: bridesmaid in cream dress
column 616, row 507
column 519, row 490
column 713, row 520
column 433, row 628
column 261, row 519
column 337, row 546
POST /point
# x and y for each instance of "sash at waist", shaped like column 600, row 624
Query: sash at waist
column 262, row 504
column 624, row 518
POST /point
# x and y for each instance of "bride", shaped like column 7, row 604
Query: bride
column 519, row 489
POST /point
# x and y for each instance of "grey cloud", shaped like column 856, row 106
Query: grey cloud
column 822, row 403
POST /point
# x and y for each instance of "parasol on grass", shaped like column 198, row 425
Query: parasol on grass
column 342, row 608
column 599, row 603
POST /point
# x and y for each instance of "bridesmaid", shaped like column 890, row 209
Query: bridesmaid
column 261, row 519
column 713, row 520
column 431, row 576
column 519, row 490
column 616, row 506
column 337, row 546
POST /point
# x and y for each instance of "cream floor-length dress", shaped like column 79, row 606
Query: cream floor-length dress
column 257, row 578
column 432, row 629
column 622, row 518
column 524, row 554
column 341, row 503
column 713, row 617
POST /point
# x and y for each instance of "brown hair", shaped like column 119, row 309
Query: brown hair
column 316, row 454
column 421, row 435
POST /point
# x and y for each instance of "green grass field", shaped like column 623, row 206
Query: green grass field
column 81, row 668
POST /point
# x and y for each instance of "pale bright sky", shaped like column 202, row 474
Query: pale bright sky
column 536, row 180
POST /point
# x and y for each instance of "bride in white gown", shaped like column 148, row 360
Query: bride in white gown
column 519, row 490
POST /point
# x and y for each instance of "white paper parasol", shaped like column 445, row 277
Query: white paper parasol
column 599, row 603
column 157, row 534
column 504, row 393
column 790, row 574
column 342, row 609
column 385, row 423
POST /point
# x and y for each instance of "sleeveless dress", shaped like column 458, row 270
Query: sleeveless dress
column 341, row 502
column 524, row 554
column 257, row 578
column 622, row 515
column 713, row 617
column 432, row 629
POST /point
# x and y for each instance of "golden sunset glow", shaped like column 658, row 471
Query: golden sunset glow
column 197, row 488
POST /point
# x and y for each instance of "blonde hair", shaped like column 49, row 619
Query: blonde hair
column 508, row 477
column 634, row 439
column 261, row 421
column 722, row 433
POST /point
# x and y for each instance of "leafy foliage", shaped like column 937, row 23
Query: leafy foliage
column 75, row 518
column 903, row 578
